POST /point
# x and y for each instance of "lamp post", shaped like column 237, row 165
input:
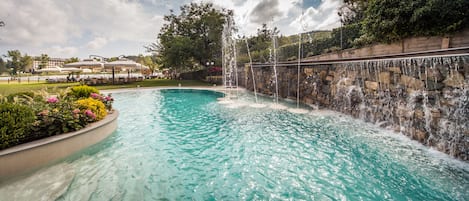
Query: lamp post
column 209, row 63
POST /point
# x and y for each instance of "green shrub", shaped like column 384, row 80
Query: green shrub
column 28, row 94
column 83, row 91
column 57, row 118
column 15, row 124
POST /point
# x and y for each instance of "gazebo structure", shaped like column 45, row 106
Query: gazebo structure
column 93, row 65
column 123, row 65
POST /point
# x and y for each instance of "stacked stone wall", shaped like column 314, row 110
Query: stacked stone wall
column 426, row 99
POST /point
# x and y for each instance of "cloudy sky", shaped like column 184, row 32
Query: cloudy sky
column 79, row 28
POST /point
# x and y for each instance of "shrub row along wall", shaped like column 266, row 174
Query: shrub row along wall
column 426, row 99
column 414, row 44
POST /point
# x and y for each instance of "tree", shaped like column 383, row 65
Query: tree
column 43, row 61
column 352, row 11
column 151, row 62
column 71, row 60
column 112, row 59
column 3, row 67
column 260, row 43
column 14, row 64
column 192, row 37
column 392, row 20
column 26, row 63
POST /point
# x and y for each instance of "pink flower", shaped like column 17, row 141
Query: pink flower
column 95, row 95
column 89, row 113
column 109, row 98
column 76, row 111
column 52, row 99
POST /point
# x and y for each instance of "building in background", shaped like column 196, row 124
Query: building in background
column 53, row 63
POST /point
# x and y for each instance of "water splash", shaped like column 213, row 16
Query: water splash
column 252, row 70
column 230, row 71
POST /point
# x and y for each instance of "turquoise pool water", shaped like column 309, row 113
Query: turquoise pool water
column 183, row 145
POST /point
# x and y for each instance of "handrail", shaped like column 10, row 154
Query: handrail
column 462, row 51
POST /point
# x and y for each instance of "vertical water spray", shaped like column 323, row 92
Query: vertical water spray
column 252, row 70
column 274, row 58
column 235, row 64
column 298, row 73
column 228, row 60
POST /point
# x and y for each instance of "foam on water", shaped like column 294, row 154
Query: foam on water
column 298, row 110
column 277, row 106
column 257, row 105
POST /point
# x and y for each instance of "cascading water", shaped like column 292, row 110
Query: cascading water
column 425, row 98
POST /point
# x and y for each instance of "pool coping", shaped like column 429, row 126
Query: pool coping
column 211, row 88
column 26, row 157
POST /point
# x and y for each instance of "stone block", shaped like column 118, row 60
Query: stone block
column 345, row 82
column 419, row 114
column 385, row 77
column 466, row 69
column 395, row 69
column 421, row 136
column 434, row 74
column 309, row 71
column 323, row 74
column 454, row 79
column 432, row 85
column 371, row 85
column 352, row 74
column 412, row 82
column 329, row 78
column 309, row 101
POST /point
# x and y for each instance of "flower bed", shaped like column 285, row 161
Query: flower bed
column 25, row 117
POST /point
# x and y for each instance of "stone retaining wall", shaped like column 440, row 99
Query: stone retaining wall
column 426, row 99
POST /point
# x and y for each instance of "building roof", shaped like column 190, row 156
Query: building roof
column 85, row 63
column 123, row 63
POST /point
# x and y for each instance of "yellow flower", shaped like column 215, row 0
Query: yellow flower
column 96, row 106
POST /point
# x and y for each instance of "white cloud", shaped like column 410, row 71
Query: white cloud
column 115, row 19
column 34, row 23
column 53, row 21
column 97, row 43
column 58, row 51
column 322, row 18
column 283, row 14
column 123, row 26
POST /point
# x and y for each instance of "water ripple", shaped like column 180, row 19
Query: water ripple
column 182, row 145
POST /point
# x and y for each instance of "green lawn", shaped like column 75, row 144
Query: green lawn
column 6, row 88
column 157, row 83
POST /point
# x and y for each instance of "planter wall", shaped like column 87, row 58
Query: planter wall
column 29, row 156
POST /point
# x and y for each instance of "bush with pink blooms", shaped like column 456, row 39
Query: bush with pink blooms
column 53, row 114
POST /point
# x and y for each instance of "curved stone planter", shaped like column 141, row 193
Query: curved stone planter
column 29, row 156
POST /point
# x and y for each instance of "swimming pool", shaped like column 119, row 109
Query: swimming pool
column 181, row 144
